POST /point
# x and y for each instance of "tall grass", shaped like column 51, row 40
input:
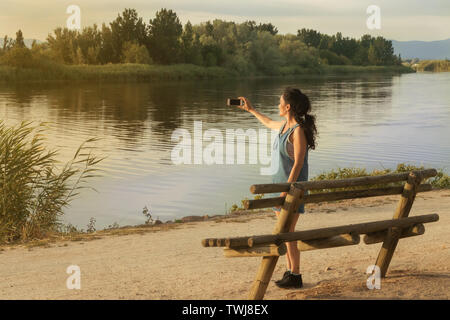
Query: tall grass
column 50, row 71
column 112, row 72
column 33, row 189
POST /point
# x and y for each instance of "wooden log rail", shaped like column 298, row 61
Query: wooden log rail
column 332, row 196
column 344, row 183
column 361, row 228
column 331, row 242
column 377, row 237
column 270, row 250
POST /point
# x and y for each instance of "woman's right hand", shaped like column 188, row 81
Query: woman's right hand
column 247, row 106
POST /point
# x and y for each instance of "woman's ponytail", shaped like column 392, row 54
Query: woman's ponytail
column 301, row 106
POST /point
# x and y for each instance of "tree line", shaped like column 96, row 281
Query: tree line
column 245, row 47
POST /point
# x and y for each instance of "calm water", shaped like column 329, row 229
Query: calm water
column 364, row 121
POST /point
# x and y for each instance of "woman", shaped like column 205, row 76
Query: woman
column 297, row 134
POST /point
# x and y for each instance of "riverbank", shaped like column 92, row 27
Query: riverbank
column 167, row 261
column 140, row 72
column 432, row 65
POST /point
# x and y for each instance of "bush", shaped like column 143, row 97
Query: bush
column 135, row 53
column 33, row 191
column 18, row 57
column 441, row 180
column 334, row 59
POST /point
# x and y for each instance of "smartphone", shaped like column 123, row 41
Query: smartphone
column 234, row 102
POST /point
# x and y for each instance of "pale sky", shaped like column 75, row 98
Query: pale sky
column 400, row 19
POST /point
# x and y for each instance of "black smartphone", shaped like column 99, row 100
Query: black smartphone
column 234, row 102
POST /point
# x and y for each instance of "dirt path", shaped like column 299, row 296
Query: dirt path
column 173, row 265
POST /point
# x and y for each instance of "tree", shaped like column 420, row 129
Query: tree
column 296, row 52
column 265, row 53
column 381, row 52
column 20, row 43
column 63, row 45
column 164, row 33
column 190, row 46
column 7, row 43
column 106, row 53
column 127, row 27
column 366, row 40
column 89, row 41
column 310, row 37
column 268, row 27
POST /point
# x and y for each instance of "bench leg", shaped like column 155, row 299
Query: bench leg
column 263, row 277
column 402, row 211
column 267, row 266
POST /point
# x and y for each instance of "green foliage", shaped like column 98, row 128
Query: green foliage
column 63, row 45
column 247, row 48
column 164, row 33
column 113, row 72
column 296, row 52
column 235, row 207
column 264, row 53
column 310, row 37
column 19, row 43
column 332, row 58
column 91, row 225
column 19, row 57
column 441, row 180
column 135, row 53
column 147, row 214
column 127, row 27
column 33, row 190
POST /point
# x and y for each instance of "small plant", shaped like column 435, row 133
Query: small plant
column 258, row 196
column 91, row 225
column 146, row 212
column 234, row 208
column 68, row 229
column 115, row 225
column 441, row 180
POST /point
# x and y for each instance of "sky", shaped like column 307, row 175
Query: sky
column 401, row 20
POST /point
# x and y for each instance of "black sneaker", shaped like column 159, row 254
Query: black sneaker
column 284, row 276
column 291, row 281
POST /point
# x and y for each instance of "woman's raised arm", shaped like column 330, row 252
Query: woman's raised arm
column 265, row 120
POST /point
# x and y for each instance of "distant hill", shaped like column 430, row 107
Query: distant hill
column 28, row 42
column 424, row 50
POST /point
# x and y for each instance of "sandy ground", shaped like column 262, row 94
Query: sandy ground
column 172, row 264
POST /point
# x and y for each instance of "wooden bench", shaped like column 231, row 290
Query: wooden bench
column 271, row 246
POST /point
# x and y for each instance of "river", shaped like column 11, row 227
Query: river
column 367, row 121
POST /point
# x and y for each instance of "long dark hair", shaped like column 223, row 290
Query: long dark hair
column 300, row 108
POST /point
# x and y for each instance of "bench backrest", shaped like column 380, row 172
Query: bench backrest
column 372, row 181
